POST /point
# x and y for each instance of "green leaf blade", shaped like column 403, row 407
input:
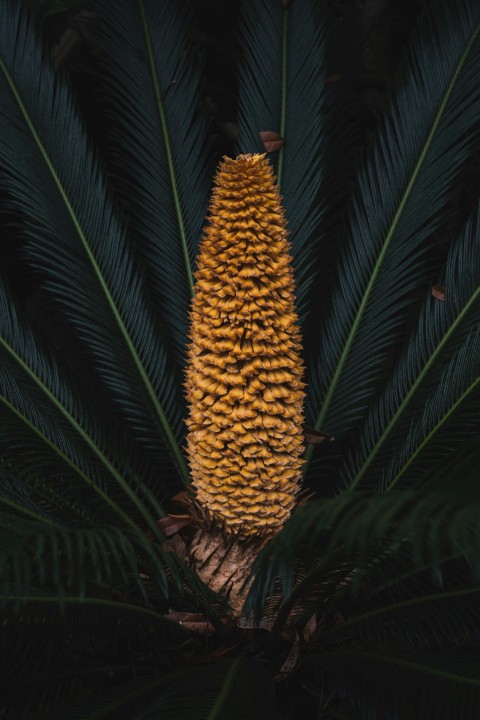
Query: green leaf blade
column 84, row 252
column 402, row 193
column 282, row 89
column 160, row 159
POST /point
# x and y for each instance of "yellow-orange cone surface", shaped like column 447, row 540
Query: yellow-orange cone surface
column 244, row 377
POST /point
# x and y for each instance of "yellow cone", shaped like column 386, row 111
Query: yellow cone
column 244, row 377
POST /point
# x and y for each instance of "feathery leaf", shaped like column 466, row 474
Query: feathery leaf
column 75, row 238
column 443, row 355
column 403, row 190
column 151, row 82
column 282, row 89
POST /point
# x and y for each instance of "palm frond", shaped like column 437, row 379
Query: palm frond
column 86, row 645
column 48, row 419
column 16, row 495
column 76, row 239
column 229, row 689
column 151, row 86
column 282, row 89
column 429, row 621
column 436, row 378
column 403, row 189
column 356, row 524
column 39, row 554
column 375, row 683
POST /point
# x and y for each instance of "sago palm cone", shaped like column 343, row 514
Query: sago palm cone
column 244, row 379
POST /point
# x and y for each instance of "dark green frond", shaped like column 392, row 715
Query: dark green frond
column 427, row 621
column 236, row 689
column 38, row 554
column 355, row 525
column 403, row 189
column 445, row 422
column 87, row 645
column 46, row 417
column 389, row 685
column 76, row 239
column 282, row 89
column 433, row 391
column 151, row 85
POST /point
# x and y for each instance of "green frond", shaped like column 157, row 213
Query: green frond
column 403, row 188
column 391, row 685
column 434, row 386
column 16, row 496
column 282, row 89
column 316, row 588
column 85, row 645
column 75, row 238
column 47, row 418
column 355, row 525
column 428, row 621
column 224, row 690
column 37, row 554
column 151, row 78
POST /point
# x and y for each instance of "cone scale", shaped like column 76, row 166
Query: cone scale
column 244, row 375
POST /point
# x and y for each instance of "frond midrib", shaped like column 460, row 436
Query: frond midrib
column 408, row 664
column 388, row 238
column 436, row 428
column 412, row 391
column 168, row 149
column 28, row 512
column 77, row 427
column 405, row 604
column 100, row 278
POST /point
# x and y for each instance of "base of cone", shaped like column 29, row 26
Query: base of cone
column 224, row 563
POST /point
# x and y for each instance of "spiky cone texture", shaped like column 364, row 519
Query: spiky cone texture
column 244, row 375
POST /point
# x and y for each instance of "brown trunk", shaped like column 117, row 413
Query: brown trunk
column 224, row 564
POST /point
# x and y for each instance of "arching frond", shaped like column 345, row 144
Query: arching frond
column 375, row 682
column 435, row 381
column 403, row 189
column 282, row 89
column 151, row 78
column 74, row 236
column 447, row 616
column 46, row 417
column 37, row 554
column 236, row 689
column 358, row 524
column 87, row 645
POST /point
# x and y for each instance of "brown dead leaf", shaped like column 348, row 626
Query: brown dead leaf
column 292, row 658
column 183, row 498
column 272, row 141
column 438, row 292
column 334, row 77
column 196, row 622
column 310, row 628
column 315, row 436
column 171, row 524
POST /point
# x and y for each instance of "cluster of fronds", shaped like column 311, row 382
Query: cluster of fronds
column 379, row 572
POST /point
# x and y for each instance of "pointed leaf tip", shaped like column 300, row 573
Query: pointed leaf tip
column 315, row 437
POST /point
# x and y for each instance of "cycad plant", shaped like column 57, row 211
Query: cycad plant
column 160, row 555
